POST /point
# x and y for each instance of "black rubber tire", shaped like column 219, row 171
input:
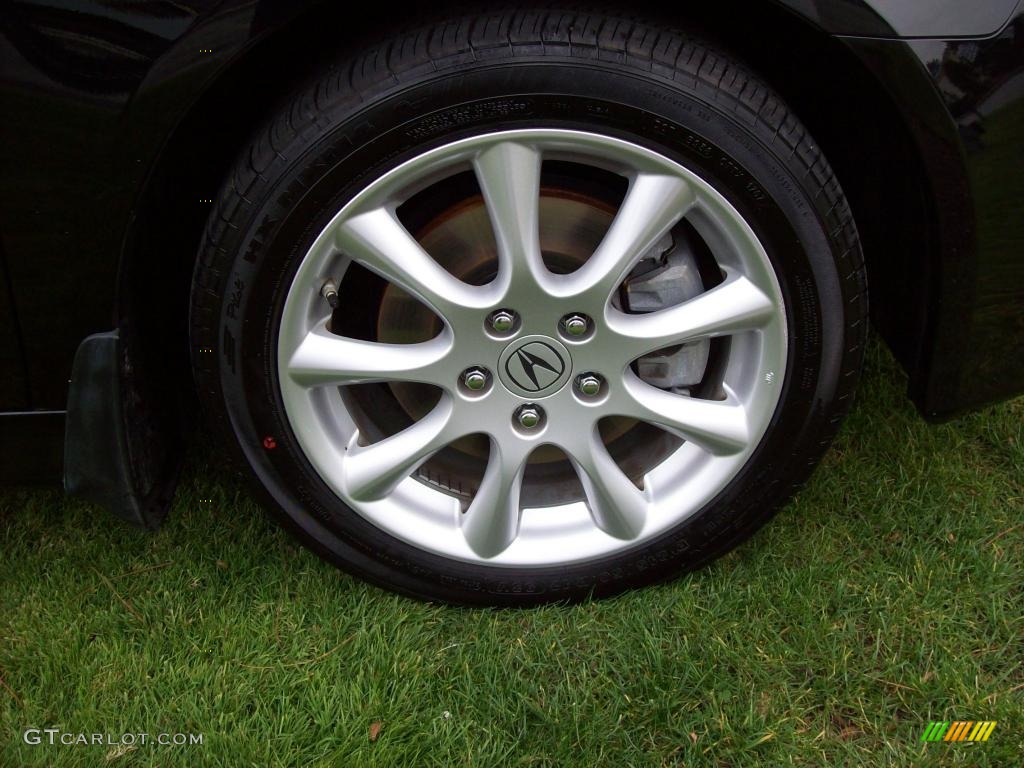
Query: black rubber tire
column 471, row 74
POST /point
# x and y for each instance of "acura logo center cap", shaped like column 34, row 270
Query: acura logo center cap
column 534, row 366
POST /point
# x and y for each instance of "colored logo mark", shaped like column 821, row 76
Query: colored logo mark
column 959, row 730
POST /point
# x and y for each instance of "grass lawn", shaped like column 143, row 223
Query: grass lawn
column 888, row 594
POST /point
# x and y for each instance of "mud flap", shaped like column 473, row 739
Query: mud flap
column 120, row 450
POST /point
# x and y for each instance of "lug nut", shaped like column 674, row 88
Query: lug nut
column 575, row 325
column 588, row 384
column 503, row 321
column 474, row 378
column 528, row 416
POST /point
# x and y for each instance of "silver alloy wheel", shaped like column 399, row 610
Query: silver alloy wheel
column 376, row 480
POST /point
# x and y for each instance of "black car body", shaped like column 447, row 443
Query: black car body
column 121, row 119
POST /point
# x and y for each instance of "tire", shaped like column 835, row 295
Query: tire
column 650, row 91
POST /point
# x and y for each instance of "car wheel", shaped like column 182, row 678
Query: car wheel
column 523, row 307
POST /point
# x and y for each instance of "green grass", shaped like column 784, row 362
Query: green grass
column 888, row 594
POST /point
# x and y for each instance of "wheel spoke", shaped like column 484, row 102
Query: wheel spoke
column 735, row 305
column 653, row 205
column 491, row 523
column 377, row 240
column 372, row 472
column 718, row 426
column 323, row 358
column 509, row 177
column 617, row 506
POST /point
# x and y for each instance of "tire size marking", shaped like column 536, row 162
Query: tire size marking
column 440, row 122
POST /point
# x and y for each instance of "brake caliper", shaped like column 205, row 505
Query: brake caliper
column 668, row 275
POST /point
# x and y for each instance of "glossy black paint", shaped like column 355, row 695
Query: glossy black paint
column 978, row 355
column 108, row 150
column 906, row 18
column 90, row 92
column 13, row 382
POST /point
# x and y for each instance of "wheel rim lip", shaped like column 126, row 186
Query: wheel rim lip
column 427, row 518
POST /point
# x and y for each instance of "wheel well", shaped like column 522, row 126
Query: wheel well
column 846, row 110
column 866, row 140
